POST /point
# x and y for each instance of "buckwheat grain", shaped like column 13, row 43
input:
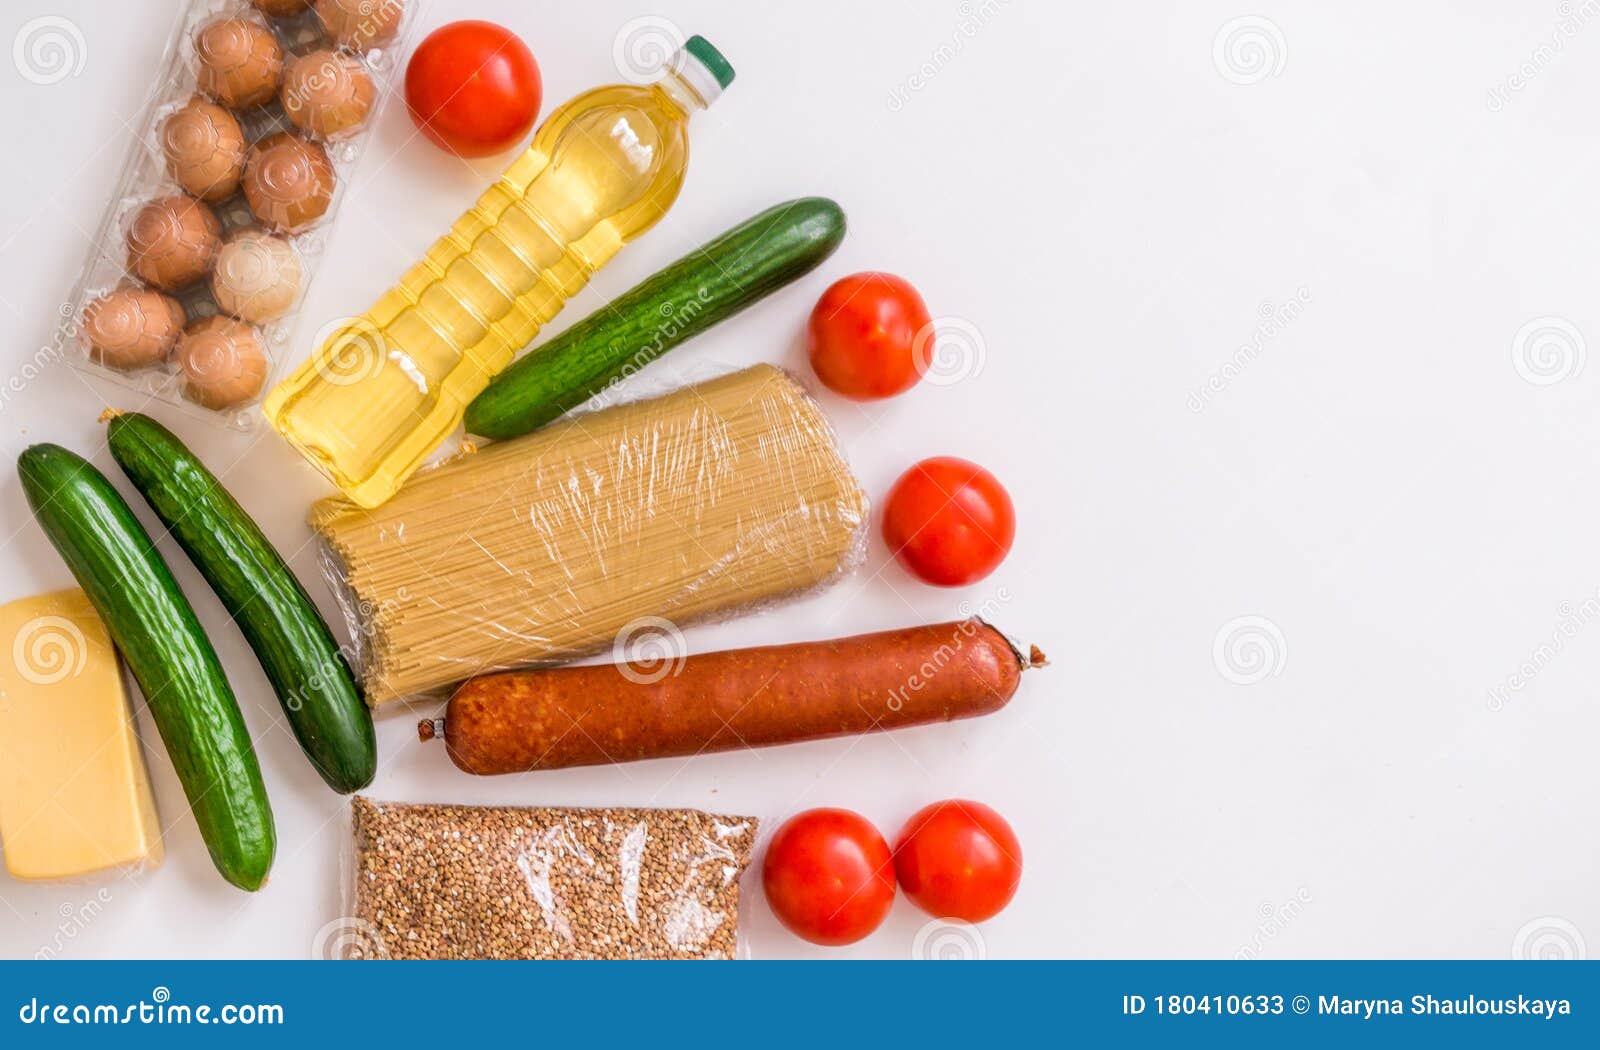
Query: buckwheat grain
column 503, row 882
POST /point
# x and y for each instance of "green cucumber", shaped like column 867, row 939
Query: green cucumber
column 155, row 629
column 710, row 284
column 278, row 619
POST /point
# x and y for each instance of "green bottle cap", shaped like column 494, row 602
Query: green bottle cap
column 711, row 58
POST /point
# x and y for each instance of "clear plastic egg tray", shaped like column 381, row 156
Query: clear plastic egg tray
column 129, row 337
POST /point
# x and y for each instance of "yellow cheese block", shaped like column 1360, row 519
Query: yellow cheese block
column 74, row 794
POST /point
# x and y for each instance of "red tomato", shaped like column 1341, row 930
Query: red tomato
column 949, row 521
column 866, row 338
column 958, row 860
column 473, row 88
column 829, row 876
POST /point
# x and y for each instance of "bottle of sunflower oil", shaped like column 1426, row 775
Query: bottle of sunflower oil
column 385, row 389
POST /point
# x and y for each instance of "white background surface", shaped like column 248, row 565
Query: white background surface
column 1089, row 187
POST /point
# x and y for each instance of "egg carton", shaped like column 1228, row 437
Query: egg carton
column 255, row 260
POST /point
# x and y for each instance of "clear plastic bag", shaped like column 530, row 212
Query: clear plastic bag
column 606, row 530
column 182, row 240
column 507, row 882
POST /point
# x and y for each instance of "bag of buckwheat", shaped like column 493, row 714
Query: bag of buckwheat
column 511, row 882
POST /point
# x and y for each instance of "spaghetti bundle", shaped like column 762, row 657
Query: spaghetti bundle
column 715, row 497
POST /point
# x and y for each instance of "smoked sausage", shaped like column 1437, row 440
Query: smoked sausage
column 521, row 721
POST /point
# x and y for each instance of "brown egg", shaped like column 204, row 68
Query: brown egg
column 222, row 362
column 239, row 62
column 288, row 182
column 257, row 276
column 281, row 8
column 326, row 92
column 361, row 24
column 204, row 147
column 172, row 241
column 131, row 327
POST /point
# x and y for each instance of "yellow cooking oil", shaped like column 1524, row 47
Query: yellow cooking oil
column 386, row 388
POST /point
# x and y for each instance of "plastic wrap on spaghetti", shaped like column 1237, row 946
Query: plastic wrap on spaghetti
column 640, row 518
column 508, row 882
